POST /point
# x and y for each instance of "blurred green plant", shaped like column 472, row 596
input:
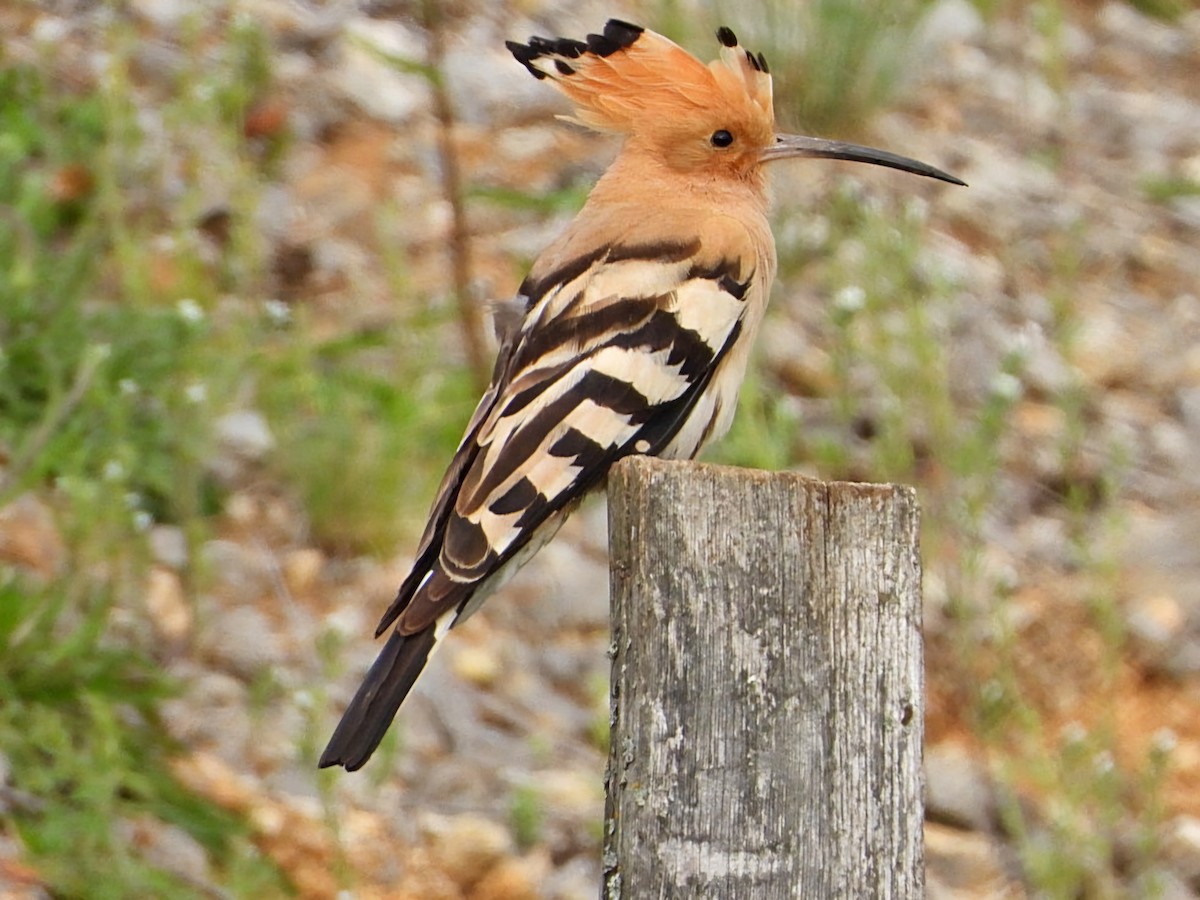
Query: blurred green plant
column 1166, row 10
column 1165, row 188
column 85, row 752
column 835, row 62
column 110, row 374
column 526, row 816
column 374, row 403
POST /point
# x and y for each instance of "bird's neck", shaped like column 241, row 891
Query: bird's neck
column 640, row 178
column 645, row 203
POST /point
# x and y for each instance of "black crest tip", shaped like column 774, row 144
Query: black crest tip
column 569, row 48
column 525, row 55
column 622, row 33
column 600, row 45
column 617, row 36
column 726, row 37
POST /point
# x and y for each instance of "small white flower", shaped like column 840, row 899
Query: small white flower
column 1165, row 740
column 142, row 520
column 133, row 500
column 196, row 392
column 850, row 299
column 1006, row 386
column 812, row 232
column 277, row 311
column 917, row 209
column 1074, row 733
column 343, row 623
column 1025, row 338
column 190, row 311
column 114, row 470
column 50, row 30
column 127, row 386
column 992, row 691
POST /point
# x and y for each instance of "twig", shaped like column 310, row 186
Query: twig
column 470, row 316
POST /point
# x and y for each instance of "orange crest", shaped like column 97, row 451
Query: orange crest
column 633, row 81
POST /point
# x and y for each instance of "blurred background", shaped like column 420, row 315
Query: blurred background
column 247, row 249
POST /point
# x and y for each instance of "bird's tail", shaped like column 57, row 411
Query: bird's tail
column 369, row 714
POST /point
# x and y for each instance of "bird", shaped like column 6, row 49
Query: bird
column 630, row 334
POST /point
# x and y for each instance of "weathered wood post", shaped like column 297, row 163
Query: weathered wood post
column 767, row 687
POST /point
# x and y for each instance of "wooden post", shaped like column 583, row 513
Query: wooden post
column 767, row 687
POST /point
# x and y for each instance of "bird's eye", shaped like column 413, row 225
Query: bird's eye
column 721, row 138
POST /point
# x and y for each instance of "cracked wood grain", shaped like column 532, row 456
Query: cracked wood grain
column 767, row 686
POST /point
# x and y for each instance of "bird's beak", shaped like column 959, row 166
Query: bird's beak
column 793, row 145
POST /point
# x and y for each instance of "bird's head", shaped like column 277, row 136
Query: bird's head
column 715, row 119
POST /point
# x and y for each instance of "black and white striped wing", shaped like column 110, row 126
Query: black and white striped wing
column 612, row 358
column 616, row 355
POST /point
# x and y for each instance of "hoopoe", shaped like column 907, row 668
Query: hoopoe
column 634, row 331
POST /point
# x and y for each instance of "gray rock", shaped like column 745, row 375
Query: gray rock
column 167, row 847
column 169, row 15
column 1012, row 198
column 1156, row 625
column 299, row 24
column 486, row 83
column 238, row 571
column 243, row 641
column 571, row 589
column 366, row 77
column 211, row 713
column 168, row 544
column 950, row 22
column 957, row 790
column 575, row 880
column 1122, row 24
column 466, row 845
column 1181, row 847
column 1188, row 400
column 1187, row 211
column 245, row 433
column 50, row 30
column 961, row 863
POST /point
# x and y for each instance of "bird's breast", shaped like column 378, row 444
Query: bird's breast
column 713, row 413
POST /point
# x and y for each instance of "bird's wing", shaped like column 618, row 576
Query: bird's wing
column 615, row 349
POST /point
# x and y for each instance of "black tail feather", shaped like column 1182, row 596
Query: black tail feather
column 369, row 714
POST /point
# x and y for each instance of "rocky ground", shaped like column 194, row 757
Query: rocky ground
column 505, row 724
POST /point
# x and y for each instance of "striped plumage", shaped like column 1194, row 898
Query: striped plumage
column 635, row 330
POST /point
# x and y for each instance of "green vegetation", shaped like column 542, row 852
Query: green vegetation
column 376, row 403
column 105, row 402
column 526, row 816
column 86, row 753
column 1163, row 189
column 122, row 338
column 839, row 60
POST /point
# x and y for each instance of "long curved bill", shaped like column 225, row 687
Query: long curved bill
column 788, row 146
